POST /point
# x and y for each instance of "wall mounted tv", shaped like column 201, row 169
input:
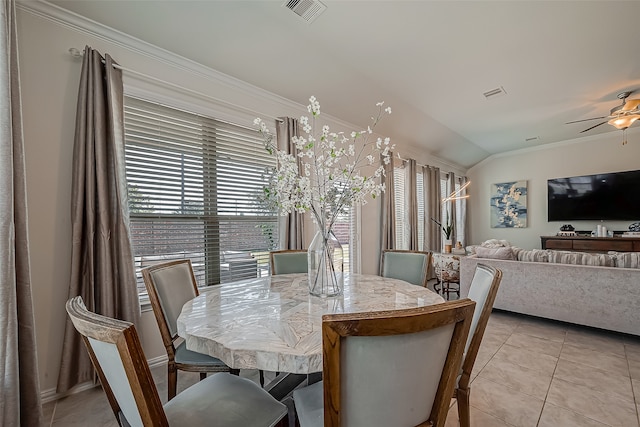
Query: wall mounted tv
column 605, row 196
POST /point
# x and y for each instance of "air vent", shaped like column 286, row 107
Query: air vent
column 308, row 10
column 494, row 93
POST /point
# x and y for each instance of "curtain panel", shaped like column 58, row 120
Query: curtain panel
column 102, row 268
column 19, row 382
column 411, row 198
column 451, row 206
column 291, row 226
column 387, row 200
column 432, row 209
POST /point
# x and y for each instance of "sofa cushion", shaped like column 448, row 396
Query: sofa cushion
column 626, row 259
column 495, row 253
column 581, row 258
column 532, row 255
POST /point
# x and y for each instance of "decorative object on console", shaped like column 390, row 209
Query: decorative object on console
column 635, row 227
column 509, row 204
column 567, row 230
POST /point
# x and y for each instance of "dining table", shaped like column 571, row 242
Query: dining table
column 274, row 324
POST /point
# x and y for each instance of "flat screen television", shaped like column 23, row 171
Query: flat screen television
column 606, row 196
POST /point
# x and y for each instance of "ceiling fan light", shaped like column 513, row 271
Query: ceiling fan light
column 623, row 122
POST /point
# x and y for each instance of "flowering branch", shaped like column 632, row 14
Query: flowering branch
column 327, row 176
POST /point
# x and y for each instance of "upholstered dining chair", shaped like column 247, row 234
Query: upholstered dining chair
column 483, row 289
column 170, row 285
column 410, row 266
column 288, row 261
column 426, row 346
column 117, row 355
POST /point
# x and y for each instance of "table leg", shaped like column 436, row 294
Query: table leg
column 284, row 383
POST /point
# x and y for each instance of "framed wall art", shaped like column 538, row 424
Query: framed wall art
column 509, row 204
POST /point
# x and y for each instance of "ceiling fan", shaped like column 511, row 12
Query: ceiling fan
column 621, row 116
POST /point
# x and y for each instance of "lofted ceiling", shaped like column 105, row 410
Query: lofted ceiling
column 431, row 61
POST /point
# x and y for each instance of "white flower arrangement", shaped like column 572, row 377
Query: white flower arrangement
column 328, row 174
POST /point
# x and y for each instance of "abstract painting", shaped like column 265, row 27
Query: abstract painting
column 509, row 204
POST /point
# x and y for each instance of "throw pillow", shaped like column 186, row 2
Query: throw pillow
column 626, row 259
column 532, row 255
column 581, row 258
column 495, row 243
column 495, row 253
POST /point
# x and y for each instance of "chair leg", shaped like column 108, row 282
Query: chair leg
column 203, row 375
column 464, row 415
column 261, row 378
column 172, row 379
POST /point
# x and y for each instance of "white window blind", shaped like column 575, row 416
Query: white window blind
column 400, row 207
column 194, row 184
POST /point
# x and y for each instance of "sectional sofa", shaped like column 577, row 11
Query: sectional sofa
column 597, row 290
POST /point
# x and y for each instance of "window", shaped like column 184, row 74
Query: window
column 194, row 184
column 402, row 238
column 401, row 213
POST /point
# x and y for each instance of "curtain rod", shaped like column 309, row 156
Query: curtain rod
column 75, row 53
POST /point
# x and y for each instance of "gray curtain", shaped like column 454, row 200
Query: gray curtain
column 388, row 217
column 411, row 198
column 461, row 234
column 432, row 208
column 451, row 206
column 291, row 226
column 19, row 383
column 102, row 269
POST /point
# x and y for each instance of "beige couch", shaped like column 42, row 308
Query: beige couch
column 601, row 297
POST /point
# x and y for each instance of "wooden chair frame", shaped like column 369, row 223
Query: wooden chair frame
column 167, row 338
column 463, row 390
column 124, row 336
column 335, row 327
column 283, row 251
column 427, row 266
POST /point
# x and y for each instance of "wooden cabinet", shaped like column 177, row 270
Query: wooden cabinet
column 591, row 244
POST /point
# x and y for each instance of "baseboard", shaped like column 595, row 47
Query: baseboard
column 51, row 395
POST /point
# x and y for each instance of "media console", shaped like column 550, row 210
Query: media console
column 591, row 244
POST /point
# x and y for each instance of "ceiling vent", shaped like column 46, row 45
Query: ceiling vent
column 495, row 93
column 308, row 10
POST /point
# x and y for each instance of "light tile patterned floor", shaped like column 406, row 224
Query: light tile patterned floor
column 529, row 372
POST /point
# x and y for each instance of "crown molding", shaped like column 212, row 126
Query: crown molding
column 580, row 140
column 60, row 16
column 79, row 23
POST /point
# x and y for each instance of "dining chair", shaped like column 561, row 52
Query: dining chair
column 410, row 266
column 421, row 349
column 170, row 285
column 117, row 356
column 288, row 261
column 483, row 289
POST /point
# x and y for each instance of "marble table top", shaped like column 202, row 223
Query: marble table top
column 274, row 324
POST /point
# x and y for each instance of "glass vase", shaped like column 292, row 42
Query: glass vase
column 325, row 259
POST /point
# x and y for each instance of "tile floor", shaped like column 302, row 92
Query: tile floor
column 529, row 372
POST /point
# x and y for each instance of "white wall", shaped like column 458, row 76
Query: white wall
column 50, row 78
column 584, row 156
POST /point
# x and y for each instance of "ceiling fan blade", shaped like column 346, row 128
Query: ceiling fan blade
column 631, row 105
column 585, row 120
column 588, row 129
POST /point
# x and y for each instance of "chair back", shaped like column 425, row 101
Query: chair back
column 410, row 266
column 483, row 289
column 170, row 285
column 116, row 354
column 288, row 261
column 419, row 350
